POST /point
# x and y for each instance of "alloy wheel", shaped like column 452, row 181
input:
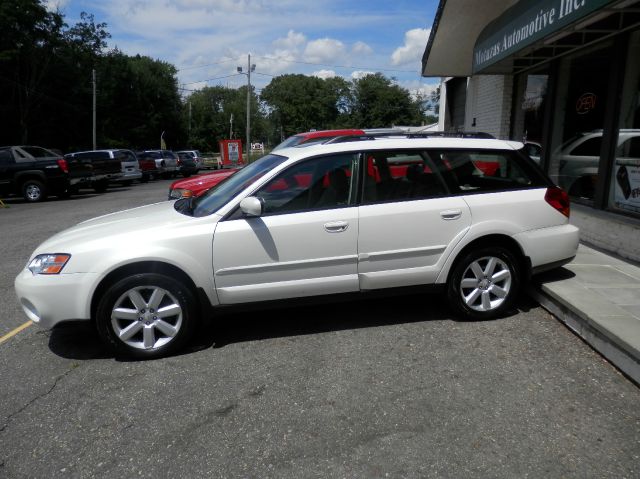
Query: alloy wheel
column 146, row 317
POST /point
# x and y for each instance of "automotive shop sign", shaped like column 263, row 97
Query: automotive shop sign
column 526, row 23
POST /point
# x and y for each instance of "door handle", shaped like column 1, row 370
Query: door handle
column 336, row 226
column 451, row 214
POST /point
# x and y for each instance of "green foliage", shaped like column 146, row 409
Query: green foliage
column 46, row 82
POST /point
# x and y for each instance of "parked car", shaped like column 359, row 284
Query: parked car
column 130, row 166
column 35, row 172
column 312, row 137
column 323, row 220
column 211, row 161
column 187, row 164
column 166, row 162
column 196, row 155
column 148, row 166
column 105, row 165
column 578, row 159
column 194, row 187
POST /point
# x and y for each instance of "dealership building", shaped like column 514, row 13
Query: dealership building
column 563, row 76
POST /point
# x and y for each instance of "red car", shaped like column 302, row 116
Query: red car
column 311, row 137
column 197, row 185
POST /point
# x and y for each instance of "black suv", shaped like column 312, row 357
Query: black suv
column 33, row 172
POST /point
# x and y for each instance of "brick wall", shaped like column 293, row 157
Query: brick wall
column 489, row 103
column 607, row 231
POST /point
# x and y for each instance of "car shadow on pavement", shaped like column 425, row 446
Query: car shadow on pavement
column 77, row 340
column 558, row 274
column 236, row 327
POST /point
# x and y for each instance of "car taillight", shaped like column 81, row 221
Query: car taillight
column 62, row 163
column 559, row 199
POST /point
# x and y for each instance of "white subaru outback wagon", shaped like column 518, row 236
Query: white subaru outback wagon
column 475, row 216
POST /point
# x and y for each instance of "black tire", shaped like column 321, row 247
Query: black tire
column 34, row 191
column 484, row 283
column 145, row 178
column 101, row 186
column 164, row 334
column 127, row 182
column 186, row 175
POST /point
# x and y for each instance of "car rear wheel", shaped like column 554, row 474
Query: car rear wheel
column 146, row 316
column 34, row 191
column 484, row 283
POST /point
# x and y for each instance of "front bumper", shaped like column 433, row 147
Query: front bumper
column 51, row 299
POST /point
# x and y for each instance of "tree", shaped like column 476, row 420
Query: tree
column 378, row 103
column 29, row 37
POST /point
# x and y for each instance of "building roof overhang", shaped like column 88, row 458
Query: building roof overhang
column 449, row 53
column 455, row 29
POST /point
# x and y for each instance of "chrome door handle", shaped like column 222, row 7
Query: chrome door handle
column 336, row 226
column 451, row 214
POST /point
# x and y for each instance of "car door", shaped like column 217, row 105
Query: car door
column 408, row 220
column 304, row 244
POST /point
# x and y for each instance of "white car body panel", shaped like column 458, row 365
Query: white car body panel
column 127, row 237
column 288, row 255
column 405, row 243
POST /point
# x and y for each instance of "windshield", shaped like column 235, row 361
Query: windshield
column 218, row 196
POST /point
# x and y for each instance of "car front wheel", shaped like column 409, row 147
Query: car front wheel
column 484, row 283
column 146, row 316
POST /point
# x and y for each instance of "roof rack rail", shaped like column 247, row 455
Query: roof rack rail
column 395, row 134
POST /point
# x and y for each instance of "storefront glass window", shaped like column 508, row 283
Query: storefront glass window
column 578, row 121
column 529, row 114
column 624, row 193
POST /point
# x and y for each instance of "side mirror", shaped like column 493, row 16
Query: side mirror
column 252, row 206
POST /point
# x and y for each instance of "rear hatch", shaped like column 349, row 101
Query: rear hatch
column 99, row 162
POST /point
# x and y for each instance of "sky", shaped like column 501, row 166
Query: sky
column 207, row 40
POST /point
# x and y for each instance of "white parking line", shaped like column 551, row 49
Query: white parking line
column 10, row 334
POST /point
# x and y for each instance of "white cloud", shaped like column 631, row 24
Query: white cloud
column 292, row 41
column 324, row 74
column 415, row 42
column 356, row 75
column 361, row 48
column 54, row 5
column 324, row 50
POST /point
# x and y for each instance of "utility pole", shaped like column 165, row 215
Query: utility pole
column 93, row 77
column 250, row 68
column 189, row 120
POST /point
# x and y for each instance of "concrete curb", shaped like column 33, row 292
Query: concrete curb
column 615, row 349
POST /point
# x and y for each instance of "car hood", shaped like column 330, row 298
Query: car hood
column 203, row 181
column 126, row 228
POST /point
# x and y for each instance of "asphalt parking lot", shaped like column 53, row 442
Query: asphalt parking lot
column 380, row 387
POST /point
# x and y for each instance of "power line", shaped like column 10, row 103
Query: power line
column 206, row 65
column 350, row 67
column 212, row 79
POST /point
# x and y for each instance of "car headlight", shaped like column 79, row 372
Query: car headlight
column 48, row 263
column 178, row 193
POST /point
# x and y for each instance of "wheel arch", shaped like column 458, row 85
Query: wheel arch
column 159, row 267
column 491, row 240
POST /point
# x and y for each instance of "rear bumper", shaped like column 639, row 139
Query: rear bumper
column 550, row 247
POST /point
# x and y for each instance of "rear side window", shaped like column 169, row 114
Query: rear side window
column 391, row 176
column 6, row 158
column 37, row 152
column 92, row 155
column 468, row 171
column 590, row 147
